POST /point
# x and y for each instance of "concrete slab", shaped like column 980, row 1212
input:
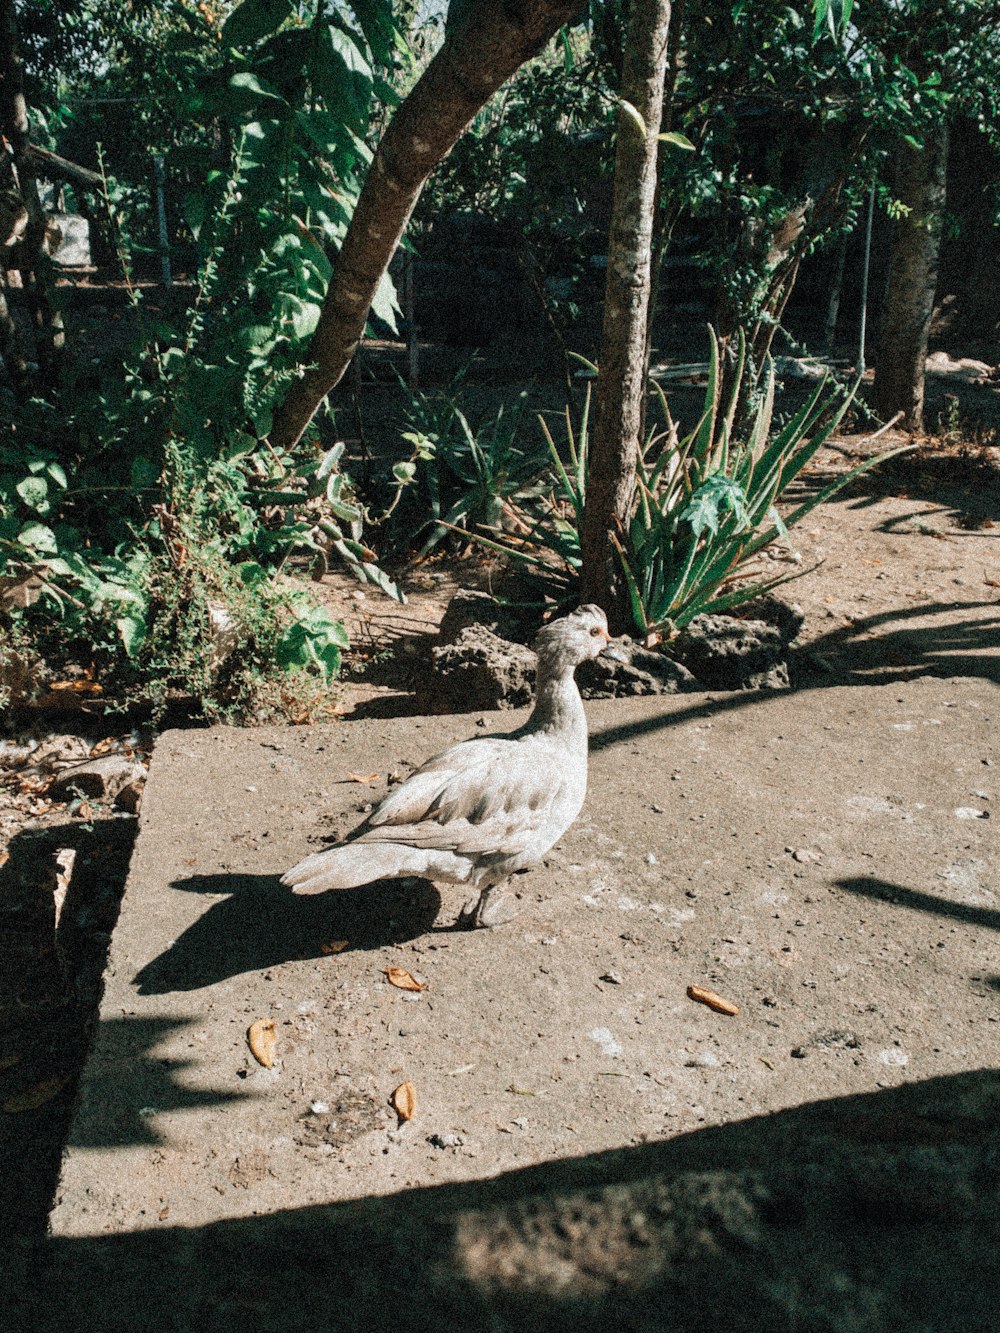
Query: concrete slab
column 825, row 859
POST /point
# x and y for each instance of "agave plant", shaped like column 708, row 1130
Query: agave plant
column 706, row 505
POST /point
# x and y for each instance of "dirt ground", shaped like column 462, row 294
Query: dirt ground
column 907, row 584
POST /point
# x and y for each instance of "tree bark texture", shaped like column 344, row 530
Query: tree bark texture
column 913, row 264
column 624, row 360
column 490, row 44
column 28, row 256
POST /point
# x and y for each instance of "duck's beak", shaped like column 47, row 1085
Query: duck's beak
column 611, row 650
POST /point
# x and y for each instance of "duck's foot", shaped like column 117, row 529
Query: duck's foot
column 490, row 908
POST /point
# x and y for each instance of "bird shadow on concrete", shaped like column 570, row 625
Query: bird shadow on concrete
column 260, row 924
column 872, row 1213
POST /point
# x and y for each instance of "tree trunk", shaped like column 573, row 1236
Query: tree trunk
column 624, row 362
column 490, row 44
column 28, row 256
column 909, row 299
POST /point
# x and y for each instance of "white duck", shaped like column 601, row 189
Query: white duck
column 486, row 808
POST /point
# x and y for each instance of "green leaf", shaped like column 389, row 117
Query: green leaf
column 132, row 630
column 250, row 83
column 385, row 304
column 404, row 472
column 313, row 641
column 717, row 494
column 634, row 115
column 37, row 537
column 677, row 140
column 34, row 491
column 254, row 19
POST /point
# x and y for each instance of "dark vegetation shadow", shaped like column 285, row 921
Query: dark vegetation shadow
column 50, row 989
column 863, row 1214
column 261, row 924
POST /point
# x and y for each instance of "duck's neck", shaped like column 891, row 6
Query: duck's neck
column 558, row 706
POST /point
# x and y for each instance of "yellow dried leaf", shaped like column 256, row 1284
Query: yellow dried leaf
column 705, row 996
column 262, row 1038
column 76, row 687
column 32, row 1098
column 84, row 810
column 363, row 777
column 4, row 857
column 404, row 1102
column 334, row 946
column 398, row 976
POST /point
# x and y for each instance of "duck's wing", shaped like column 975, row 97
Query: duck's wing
column 479, row 797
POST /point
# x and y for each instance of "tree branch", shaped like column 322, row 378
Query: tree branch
column 477, row 58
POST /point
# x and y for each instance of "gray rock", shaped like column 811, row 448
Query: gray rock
column 729, row 654
column 469, row 607
column 101, row 778
column 645, row 672
column 481, row 670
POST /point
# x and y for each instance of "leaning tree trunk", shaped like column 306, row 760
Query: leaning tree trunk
column 624, row 360
column 909, row 299
column 490, row 43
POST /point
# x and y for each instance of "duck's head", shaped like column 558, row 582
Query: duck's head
column 575, row 638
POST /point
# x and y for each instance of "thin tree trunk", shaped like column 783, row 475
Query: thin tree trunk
column 624, row 366
column 28, row 255
column 489, row 45
column 909, row 300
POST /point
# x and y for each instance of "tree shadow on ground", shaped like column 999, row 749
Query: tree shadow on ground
column 898, row 895
column 261, row 924
column 885, row 649
column 863, row 1214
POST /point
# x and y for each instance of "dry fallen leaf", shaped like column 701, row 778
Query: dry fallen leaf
column 4, row 857
column 84, row 810
column 404, row 1102
column 262, row 1038
column 398, row 976
column 76, row 687
column 334, row 946
column 705, row 996
column 32, row 1098
column 362, row 777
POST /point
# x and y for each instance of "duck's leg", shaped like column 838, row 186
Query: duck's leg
column 490, row 908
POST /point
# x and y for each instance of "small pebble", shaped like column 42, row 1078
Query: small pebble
column 520, row 1121
column 656, row 809
column 799, row 1052
column 446, row 1140
column 703, row 1060
column 651, row 859
column 612, row 978
column 318, row 1108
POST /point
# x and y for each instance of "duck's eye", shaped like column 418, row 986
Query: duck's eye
column 595, row 633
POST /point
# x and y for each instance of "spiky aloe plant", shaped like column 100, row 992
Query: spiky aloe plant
column 706, row 505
